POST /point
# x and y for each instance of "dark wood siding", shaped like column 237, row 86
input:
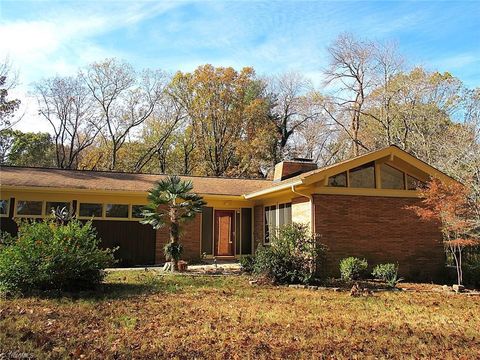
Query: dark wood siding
column 207, row 230
column 246, row 230
column 7, row 223
column 237, row 233
column 136, row 241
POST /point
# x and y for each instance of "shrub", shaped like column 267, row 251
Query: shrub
column 50, row 256
column 353, row 268
column 293, row 255
column 387, row 273
column 471, row 267
column 247, row 263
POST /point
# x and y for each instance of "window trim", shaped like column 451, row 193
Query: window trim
column 104, row 212
column 377, row 177
column 117, row 217
column 395, row 168
column 42, row 214
column 8, row 208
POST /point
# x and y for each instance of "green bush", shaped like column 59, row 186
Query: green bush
column 247, row 263
column 50, row 256
column 471, row 267
column 353, row 268
column 387, row 273
column 293, row 256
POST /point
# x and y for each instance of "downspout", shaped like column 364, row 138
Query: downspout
column 312, row 212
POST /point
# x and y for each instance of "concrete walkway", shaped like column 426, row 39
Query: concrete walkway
column 220, row 267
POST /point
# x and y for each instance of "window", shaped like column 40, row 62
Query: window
column 29, row 208
column 276, row 217
column 362, row 176
column 270, row 222
column 89, row 210
column 414, row 184
column 339, row 180
column 4, row 207
column 54, row 205
column 391, row 177
column 116, row 211
column 284, row 214
column 137, row 211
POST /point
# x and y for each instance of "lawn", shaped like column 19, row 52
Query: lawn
column 140, row 314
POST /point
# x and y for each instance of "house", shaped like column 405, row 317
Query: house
column 357, row 206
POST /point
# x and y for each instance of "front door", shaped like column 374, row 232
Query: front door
column 224, row 232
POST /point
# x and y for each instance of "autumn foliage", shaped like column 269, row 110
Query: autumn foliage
column 458, row 213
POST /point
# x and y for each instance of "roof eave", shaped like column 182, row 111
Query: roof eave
column 280, row 187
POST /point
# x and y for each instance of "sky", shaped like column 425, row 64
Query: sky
column 48, row 38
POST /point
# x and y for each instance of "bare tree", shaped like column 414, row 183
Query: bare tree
column 124, row 97
column 66, row 103
column 160, row 128
column 292, row 106
column 351, row 73
column 8, row 107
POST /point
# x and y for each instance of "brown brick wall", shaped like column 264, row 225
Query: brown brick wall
column 189, row 237
column 258, row 226
column 381, row 230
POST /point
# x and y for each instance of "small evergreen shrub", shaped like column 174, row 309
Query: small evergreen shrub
column 51, row 256
column 353, row 268
column 387, row 273
column 471, row 267
column 247, row 263
column 293, row 256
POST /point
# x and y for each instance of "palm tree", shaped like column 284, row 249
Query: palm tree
column 171, row 202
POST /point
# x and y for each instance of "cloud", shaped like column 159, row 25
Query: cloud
column 59, row 42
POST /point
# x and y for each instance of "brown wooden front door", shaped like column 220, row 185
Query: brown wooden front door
column 224, row 232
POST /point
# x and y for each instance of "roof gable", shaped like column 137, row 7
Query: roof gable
column 391, row 153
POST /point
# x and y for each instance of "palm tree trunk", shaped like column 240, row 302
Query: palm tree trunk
column 174, row 234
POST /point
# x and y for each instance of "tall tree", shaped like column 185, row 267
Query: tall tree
column 67, row 105
column 125, row 99
column 292, row 106
column 26, row 149
column 350, row 71
column 7, row 106
column 216, row 102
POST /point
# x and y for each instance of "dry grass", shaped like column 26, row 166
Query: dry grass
column 143, row 315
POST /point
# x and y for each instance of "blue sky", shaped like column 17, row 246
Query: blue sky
column 44, row 38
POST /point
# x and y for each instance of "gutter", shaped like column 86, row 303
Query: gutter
column 272, row 189
column 312, row 212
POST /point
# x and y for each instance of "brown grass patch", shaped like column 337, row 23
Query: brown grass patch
column 143, row 315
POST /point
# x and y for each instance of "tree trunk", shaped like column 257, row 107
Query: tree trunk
column 174, row 234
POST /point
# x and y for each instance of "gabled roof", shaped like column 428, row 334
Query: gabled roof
column 28, row 177
column 313, row 176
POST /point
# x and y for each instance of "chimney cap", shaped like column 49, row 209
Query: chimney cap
column 302, row 159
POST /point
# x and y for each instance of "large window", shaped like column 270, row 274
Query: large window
column 391, row 177
column 339, row 180
column 54, row 205
column 29, row 208
column 116, row 211
column 362, row 176
column 91, row 210
column 276, row 216
column 4, row 207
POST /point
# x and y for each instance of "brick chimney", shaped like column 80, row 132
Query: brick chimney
column 290, row 168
